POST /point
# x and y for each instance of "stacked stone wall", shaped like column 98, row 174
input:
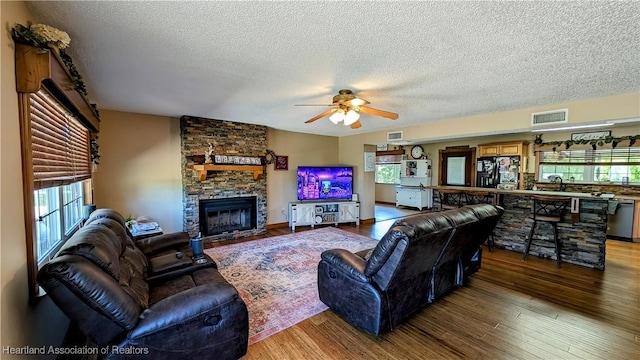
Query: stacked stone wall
column 225, row 138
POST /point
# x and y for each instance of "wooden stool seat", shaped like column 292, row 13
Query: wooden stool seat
column 549, row 209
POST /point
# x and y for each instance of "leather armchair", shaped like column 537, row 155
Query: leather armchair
column 419, row 259
column 100, row 280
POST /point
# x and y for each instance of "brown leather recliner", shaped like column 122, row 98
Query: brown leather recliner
column 418, row 260
column 101, row 280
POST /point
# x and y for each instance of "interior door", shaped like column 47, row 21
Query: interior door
column 457, row 167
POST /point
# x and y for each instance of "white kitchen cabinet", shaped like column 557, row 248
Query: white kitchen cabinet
column 414, row 197
column 310, row 214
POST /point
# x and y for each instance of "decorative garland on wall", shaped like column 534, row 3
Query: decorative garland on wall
column 614, row 141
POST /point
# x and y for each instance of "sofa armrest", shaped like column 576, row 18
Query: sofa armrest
column 155, row 244
column 346, row 262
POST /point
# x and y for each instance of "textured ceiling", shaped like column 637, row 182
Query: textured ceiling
column 427, row 61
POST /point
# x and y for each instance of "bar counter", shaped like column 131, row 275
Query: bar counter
column 582, row 234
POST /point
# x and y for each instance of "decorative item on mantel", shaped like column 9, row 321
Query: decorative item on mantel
column 212, row 162
column 207, row 154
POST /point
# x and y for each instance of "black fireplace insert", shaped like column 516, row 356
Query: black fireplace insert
column 218, row 216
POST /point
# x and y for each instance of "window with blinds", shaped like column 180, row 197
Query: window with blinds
column 61, row 161
column 60, row 143
column 619, row 165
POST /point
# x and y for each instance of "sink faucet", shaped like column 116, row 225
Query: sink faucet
column 557, row 179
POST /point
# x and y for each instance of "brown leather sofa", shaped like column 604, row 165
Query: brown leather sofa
column 419, row 260
column 106, row 284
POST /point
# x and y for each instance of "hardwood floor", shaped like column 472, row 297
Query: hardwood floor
column 511, row 309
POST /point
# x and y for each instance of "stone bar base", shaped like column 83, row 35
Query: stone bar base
column 583, row 241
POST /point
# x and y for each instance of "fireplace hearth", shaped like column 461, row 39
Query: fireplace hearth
column 219, row 216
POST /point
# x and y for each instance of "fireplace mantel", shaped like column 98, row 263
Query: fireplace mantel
column 202, row 170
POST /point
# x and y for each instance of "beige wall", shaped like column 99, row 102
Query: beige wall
column 385, row 193
column 352, row 154
column 140, row 167
column 302, row 149
column 40, row 323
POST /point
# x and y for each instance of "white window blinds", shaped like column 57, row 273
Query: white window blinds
column 60, row 143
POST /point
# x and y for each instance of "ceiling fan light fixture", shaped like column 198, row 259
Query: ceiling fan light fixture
column 347, row 107
column 337, row 116
column 358, row 102
column 351, row 117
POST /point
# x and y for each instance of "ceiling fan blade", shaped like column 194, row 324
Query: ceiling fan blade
column 314, row 105
column 356, row 125
column 376, row 112
column 326, row 113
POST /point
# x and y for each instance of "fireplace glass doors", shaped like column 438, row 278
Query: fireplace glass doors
column 218, row 216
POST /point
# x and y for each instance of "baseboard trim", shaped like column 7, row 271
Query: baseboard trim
column 367, row 221
column 385, row 203
column 277, row 226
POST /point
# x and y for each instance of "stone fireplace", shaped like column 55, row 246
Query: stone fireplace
column 218, row 216
column 227, row 218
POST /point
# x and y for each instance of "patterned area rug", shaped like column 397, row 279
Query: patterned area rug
column 276, row 277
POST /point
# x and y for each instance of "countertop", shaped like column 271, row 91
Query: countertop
column 417, row 187
column 537, row 192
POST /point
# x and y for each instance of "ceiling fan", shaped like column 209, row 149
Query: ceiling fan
column 346, row 108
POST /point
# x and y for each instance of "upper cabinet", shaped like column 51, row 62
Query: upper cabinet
column 511, row 148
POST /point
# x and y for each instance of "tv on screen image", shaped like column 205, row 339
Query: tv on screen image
column 325, row 183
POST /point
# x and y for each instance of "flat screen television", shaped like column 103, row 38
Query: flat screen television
column 325, row 182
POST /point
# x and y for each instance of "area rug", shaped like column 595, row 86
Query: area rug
column 276, row 276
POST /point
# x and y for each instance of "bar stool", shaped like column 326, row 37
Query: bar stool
column 473, row 197
column 548, row 209
column 450, row 199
